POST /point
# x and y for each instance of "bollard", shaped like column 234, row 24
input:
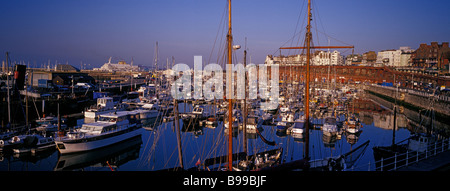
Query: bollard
column 417, row 156
column 435, row 148
column 395, row 161
column 407, row 157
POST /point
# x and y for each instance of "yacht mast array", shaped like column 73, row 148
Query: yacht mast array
column 308, row 48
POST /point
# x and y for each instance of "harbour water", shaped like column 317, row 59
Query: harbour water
column 156, row 148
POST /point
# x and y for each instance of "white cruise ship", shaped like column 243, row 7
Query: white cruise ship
column 111, row 128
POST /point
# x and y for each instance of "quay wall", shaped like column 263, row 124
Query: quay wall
column 414, row 99
column 421, row 120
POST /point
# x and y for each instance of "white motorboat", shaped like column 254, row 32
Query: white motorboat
column 199, row 113
column 110, row 129
column 299, row 125
column 353, row 125
column 329, row 126
column 50, row 124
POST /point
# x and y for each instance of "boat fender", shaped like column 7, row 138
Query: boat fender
column 15, row 139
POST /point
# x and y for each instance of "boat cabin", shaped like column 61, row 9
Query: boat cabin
column 149, row 106
column 200, row 110
column 107, row 122
column 330, row 121
column 105, row 102
column 419, row 143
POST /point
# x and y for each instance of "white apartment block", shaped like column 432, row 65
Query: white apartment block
column 327, row 58
column 319, row 58
column 395, row 58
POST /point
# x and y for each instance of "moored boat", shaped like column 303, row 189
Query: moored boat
column 353, row 125
column 110, row 129
column 198, row 113
column 35, row 143
column 329, row 127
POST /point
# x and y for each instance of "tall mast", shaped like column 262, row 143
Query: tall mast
column 155, row 70
column 244, row 129
column 229, row 95
column 177, row 124
column 308, row 58
column 156, row 56
column 7, row 88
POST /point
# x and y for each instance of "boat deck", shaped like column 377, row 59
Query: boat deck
column 440, row 162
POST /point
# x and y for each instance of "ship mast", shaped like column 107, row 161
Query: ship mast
column 229, row 91
column 308, row 58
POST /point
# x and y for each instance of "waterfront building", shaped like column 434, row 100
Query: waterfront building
column 58, row 78
column 395, row 58
column 369, row 58
column 319, row 58
column 291, row 59
column 66, row 68
column 353, row 59
column 431, row 56
column 386, row 57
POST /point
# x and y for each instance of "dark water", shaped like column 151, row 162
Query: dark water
column 157, row 149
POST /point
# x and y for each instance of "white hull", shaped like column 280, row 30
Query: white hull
column 91, row 145
column 149, row 115
column 352, row 130
column 329, row 130
column 297, row 131
column 33, row 150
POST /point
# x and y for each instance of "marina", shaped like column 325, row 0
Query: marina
column 156, row 149
column 295, row 112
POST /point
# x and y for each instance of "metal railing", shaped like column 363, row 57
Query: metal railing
column 405, row 159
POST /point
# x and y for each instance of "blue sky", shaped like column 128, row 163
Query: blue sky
column 92, row 31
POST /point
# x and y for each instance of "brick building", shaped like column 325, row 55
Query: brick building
column 431, row 56
column 369, row 58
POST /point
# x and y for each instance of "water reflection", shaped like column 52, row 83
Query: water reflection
column 111, row 157
column 156, row 149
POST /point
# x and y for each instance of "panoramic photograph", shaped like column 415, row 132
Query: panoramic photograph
column 188, row 87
